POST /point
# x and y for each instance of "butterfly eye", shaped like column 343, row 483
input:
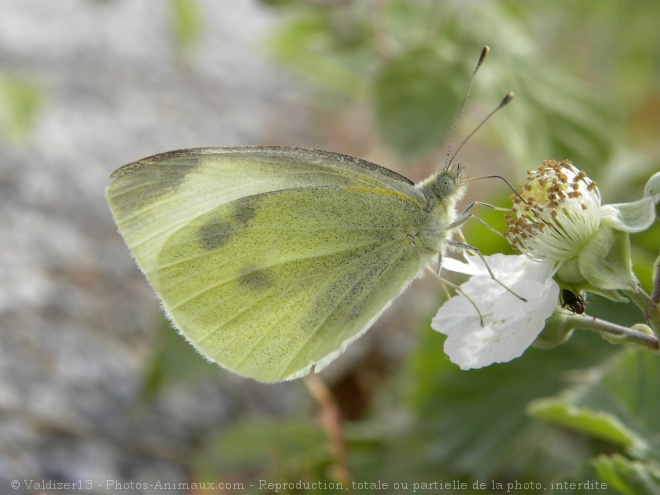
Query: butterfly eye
column 445, row 185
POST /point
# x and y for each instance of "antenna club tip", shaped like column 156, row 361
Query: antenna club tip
column 484, row 52
column 507, row 99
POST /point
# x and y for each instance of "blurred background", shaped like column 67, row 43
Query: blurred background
column 94, row 385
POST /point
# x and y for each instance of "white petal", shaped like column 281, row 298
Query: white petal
column 454, row 315
column 459, row 267
column 510, row 325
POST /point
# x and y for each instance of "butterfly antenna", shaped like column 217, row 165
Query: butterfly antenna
column 501, row 178
column 482, row 57
column 507, row 98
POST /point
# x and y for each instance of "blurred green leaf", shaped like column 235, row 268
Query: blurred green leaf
column 186, row 23
column 278, row 3
column 477, row 234
column 629, row 477
column 620, row 406
column 20, row 103
column 302, row 45
column 586, row 473
column 575, row 123
column 174, row 361
column 277, row 451
column 474, row 421
column 416, row 95
column 600, row 425
column 415, row 103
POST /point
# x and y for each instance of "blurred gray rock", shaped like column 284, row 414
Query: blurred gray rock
column 78, row 322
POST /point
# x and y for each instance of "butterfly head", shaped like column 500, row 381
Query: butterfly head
column 450, row 181
column 444, row 190
column 448, row 184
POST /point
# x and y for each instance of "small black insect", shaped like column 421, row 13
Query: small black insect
column 574, row 302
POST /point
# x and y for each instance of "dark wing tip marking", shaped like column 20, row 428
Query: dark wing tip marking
column 154, row 159
column 305, row 153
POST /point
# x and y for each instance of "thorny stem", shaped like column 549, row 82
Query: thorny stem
column 613, row 332
column 649, row 307
column 655, row 296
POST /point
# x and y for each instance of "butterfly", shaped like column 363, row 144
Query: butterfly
column 271, row 260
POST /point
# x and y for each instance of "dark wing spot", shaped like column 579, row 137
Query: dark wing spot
column 256, row 278
column 245, row 211
column 214, row 235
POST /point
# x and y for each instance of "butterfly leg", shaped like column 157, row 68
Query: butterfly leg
column 439, row 265
column 460, row 220
column 468, row 298
column 458, row 289
column 475, row 250
column 466, row 215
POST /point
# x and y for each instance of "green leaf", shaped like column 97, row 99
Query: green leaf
column 307, row 45
column 629, row 477
column 187, row 24
column 415, row 103
column 621, row 405
column 20, row 104
column 556, row 116
column 277, row 451
column 174, row 361
column 600, row 425
column 582, row 479
column 475, row 421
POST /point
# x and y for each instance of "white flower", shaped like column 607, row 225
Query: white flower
column 563, row 231
column 557, row 213
column 558, row 218
column 509, row 324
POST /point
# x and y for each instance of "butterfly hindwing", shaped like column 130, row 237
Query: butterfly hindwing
column 268, row 263
column 271, row 284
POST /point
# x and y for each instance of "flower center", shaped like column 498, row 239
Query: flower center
column 556, row 214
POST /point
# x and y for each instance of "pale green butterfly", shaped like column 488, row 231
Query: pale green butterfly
column 272, row 260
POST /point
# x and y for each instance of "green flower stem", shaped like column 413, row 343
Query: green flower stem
column 646, row 303
column 614, row 333
column 655, row 297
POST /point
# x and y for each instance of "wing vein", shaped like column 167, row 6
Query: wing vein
column 264, row 335
column 344, row 296
column 285, row 293
column 263, row 267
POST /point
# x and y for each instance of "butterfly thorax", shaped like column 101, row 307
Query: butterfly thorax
column 442, row 192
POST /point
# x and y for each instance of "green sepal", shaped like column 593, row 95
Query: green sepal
column 556, row 332
column 602, row 266
column 638, row 215
column 605, row 261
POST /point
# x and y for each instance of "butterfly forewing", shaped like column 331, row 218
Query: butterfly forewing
column 152, row 197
